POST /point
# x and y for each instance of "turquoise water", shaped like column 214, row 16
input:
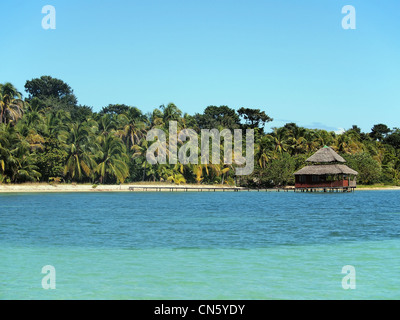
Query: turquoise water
column 246, row 245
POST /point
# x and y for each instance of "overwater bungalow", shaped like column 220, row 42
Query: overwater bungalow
column 326, row 170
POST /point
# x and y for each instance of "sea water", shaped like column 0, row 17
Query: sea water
column 200, row 245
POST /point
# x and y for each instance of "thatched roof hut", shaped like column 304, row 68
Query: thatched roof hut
column 329, row 169
column 325, row 155
column 325, row 169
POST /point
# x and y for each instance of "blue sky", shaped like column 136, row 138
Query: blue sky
column 289, row 58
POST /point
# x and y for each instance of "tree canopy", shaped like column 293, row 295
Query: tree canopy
column 49, row 137
column 47, row 87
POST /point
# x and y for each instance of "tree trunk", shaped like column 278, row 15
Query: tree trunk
column 144, row 171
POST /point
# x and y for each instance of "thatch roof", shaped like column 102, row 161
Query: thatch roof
column 325, row 169
column 325, row 155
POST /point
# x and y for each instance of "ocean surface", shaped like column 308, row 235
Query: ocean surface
column 200, row 245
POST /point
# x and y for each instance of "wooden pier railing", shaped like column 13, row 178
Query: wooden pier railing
column 186, row 189
column 236, row 189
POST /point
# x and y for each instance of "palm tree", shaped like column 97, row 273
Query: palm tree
column 30, row 127
column 216, row 170
column 177, row 178
column 151, row 172
column 106, row 124
column 11, row 103
column 198, row 172
column 156, row 119
column 139, row 151
column 295, row 138
column 8, row 138
column 55, row 122
column 112, row 159
column 188, row 121
column 16, row 162
column 224, row 172
column 311, row 141
column 263, row 151
column 170, row 113
column 79, row 146
column 279, row 139
column 346, row 144
column 164, row 171
column 324, row 138
column 134, row 126
column 26, row 169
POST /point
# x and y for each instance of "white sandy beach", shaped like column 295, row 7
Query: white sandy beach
column 45, row 187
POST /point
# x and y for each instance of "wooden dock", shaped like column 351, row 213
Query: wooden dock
column 185, row 189
column 203, row 189
column 234, row 189
column 326, row 189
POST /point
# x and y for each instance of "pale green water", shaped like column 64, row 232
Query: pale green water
column 200, row 245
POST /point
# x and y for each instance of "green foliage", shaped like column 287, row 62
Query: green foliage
column 177, row 178
column 393, row 138
column 280, row 171
column 254, row 118
column 218, row 117
column 115, row 109
column 369, row 170
column 51, row 161
column 111, row 160
column 55, row 180
column 379, row 132
column 11, row 104
column 49, row 137
column 49, row 89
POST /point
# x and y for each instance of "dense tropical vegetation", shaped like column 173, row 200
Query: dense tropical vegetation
column 48, row 137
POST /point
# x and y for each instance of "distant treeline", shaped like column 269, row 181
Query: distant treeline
column 49, row 137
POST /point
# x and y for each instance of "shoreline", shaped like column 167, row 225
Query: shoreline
column 46, row 187
column 52, row 188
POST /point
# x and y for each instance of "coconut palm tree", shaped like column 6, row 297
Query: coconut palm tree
column 112, row 159
column 8, row 137
column 30, row 127
column 139, row 151
column 170, row 113
column 133, row 126
column 310, row 141
column 279, row 139
column 264, row 151
column 324, row 138
column 80, row 146
column 11, row 104
column 106, row 124
column 217, row 170
column 164, row 171
column 197, row 170
column 26, row 169
column 345, row 144
column 177, row 178
column 16, row 161
column 295, row 139
column 188, row 122
column 55, row 122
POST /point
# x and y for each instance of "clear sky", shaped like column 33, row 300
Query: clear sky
column 289, row 58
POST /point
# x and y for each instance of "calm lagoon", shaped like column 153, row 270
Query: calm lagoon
column 245, row 245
